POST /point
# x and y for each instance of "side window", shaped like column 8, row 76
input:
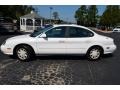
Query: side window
column 56, row 32
column 79, row 32
column 72, row 32
column 85, row 33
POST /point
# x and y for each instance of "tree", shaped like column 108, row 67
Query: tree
column 14, row 11
column 92, row 15
column 87, row 16
column 111, row 16
column 55, row 15
column 81, row 15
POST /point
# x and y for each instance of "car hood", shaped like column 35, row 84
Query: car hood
column 20, row 37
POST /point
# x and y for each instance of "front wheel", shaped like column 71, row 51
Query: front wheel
column 94, row 53
column 24, row 53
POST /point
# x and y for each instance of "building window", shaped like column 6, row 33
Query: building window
column 37, row 22
column 29, row 22
column 23, row 21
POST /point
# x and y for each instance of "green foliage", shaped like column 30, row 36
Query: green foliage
column 111, row 16
column 14, row 11
column 81, row 15
column 92, row 15
column 87, row 16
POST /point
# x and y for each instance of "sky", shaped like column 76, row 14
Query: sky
column 66, row 12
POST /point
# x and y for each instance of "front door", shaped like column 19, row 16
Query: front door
column 54, row 42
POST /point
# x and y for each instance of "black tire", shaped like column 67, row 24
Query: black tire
column 24, row 53
column 94, row 53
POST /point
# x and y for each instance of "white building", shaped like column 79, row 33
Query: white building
column 30, row 22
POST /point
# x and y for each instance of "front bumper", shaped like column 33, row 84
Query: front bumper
column 6, row 50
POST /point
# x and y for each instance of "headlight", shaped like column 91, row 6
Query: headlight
column 4, row 42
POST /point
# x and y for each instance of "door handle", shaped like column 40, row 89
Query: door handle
column 61, row 41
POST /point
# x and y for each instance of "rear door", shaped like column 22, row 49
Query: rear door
column 78, row 40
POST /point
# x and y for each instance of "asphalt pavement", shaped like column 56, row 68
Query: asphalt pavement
column 61, row 69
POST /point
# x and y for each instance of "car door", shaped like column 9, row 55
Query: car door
column 78, row 40
column 54, row 42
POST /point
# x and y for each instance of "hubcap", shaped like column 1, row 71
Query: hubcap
column 22, row 53
column 94, row 53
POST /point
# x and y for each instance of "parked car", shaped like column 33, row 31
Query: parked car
column 117, row 29
column 59, row 39
column 7, row 25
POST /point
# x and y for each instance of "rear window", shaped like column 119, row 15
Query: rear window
column 79, row 32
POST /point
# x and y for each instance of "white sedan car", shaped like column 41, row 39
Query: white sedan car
column 117, row 29
column 59, row 39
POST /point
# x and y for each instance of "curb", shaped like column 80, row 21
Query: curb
column 103, row 31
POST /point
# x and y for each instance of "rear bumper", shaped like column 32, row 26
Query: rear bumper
column 109, row 49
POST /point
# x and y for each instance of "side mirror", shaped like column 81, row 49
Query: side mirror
column 43, row 35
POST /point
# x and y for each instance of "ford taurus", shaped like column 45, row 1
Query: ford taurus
column 59, row 39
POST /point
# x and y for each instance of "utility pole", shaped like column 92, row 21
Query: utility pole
column 36, row 10
column 50, row 14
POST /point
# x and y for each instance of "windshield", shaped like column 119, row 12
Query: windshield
column 39, row 31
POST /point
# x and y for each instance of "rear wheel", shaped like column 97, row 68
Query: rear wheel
column 94, row 53
column 24, row 53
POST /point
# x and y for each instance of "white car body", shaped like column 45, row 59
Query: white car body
column 65, row 45
column 117, row 29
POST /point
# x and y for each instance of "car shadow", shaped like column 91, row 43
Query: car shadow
column 107, row 55
column 64, row 57
column 61, row 57
column 68, row 57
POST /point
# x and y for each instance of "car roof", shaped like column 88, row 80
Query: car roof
column 72, row 25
